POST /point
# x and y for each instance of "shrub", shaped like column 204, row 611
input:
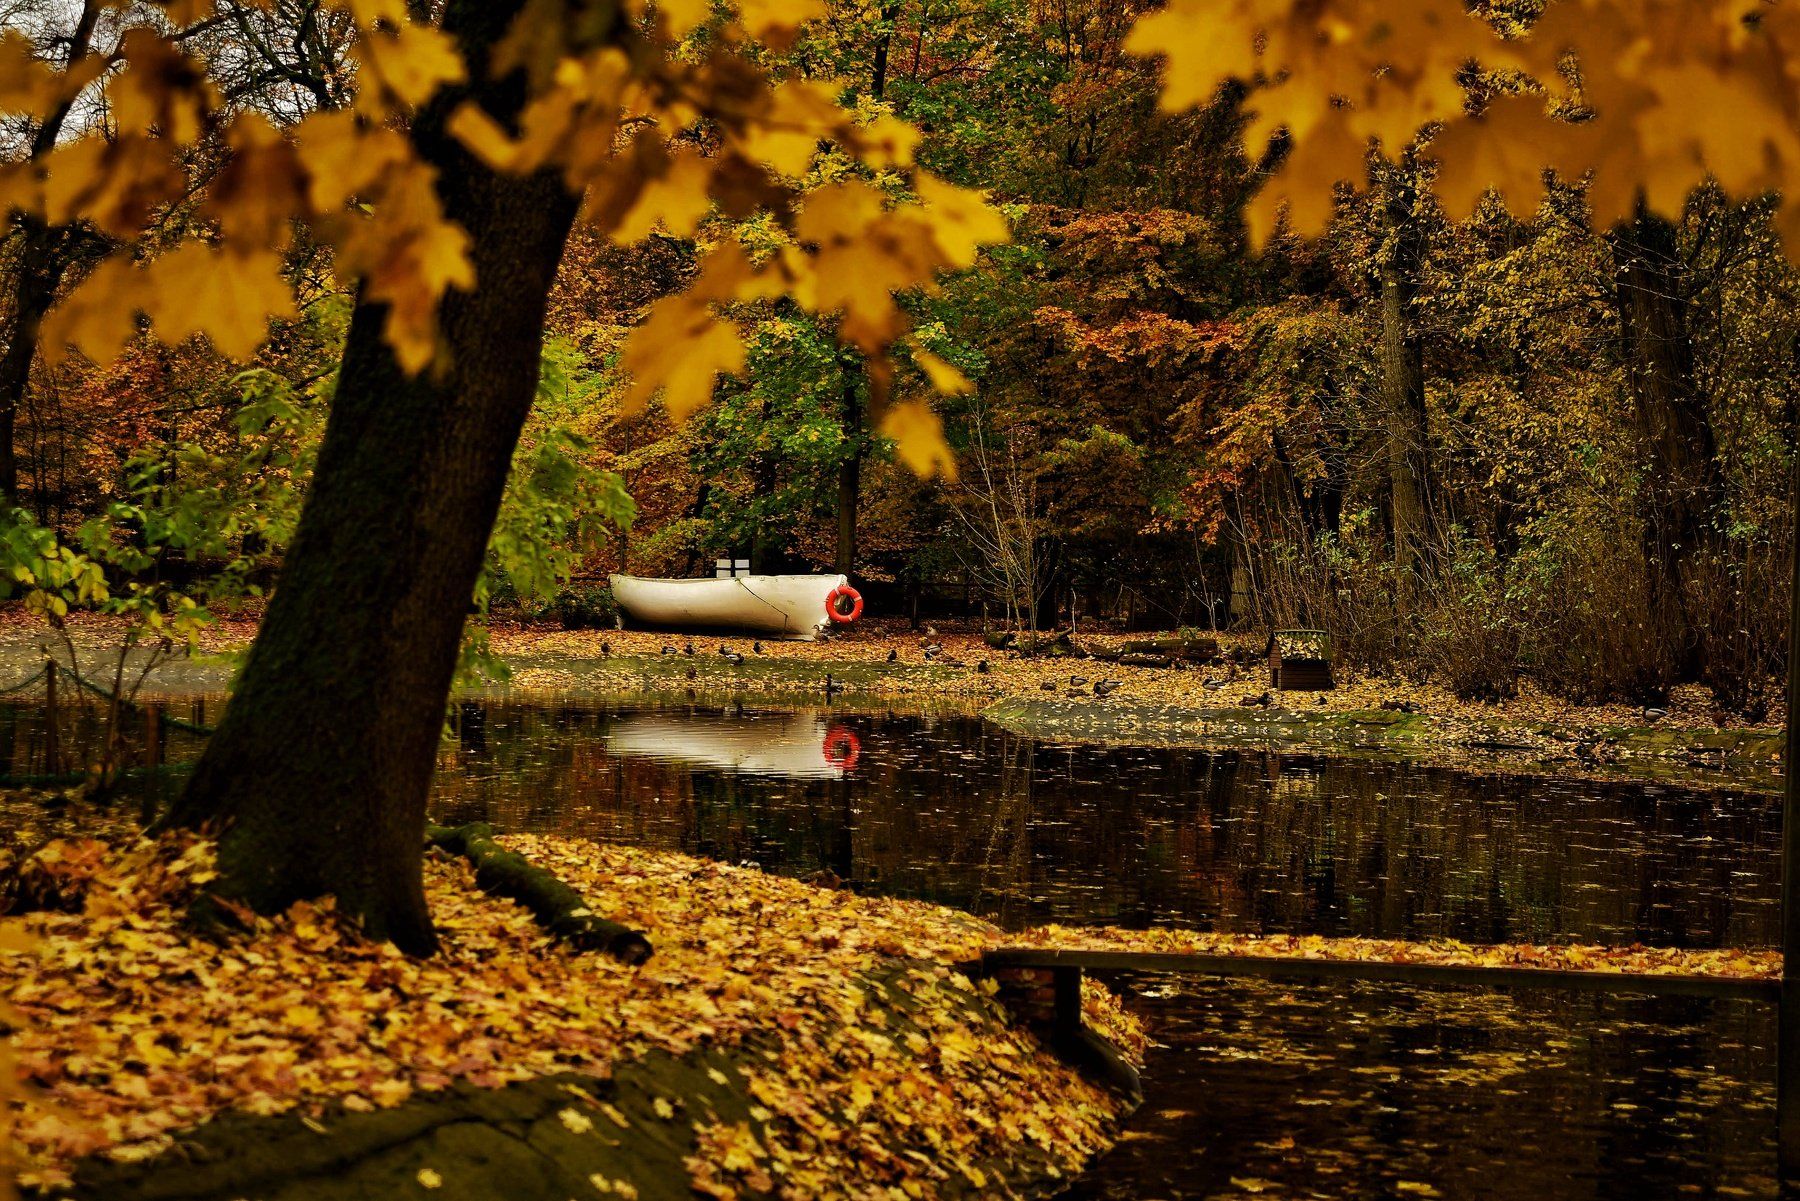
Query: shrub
column 1470, row 634
column 585, row 607
column 1593, row 632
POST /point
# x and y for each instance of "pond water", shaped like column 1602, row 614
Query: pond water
column 1257, row 1088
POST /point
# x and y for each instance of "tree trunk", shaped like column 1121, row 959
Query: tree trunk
column 1402, row 359
column 319, row 773
column 849, row 476
column 33, row 284
column 45, row 255
column 1682, row 478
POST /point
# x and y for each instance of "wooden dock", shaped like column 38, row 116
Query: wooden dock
column 1043, row 987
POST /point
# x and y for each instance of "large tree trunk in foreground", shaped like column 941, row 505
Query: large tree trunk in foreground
column 1402, row 359
column 319, row 773
column 1682, row 474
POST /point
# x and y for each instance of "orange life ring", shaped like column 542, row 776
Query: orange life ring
column 842, row 747
column 837, row 594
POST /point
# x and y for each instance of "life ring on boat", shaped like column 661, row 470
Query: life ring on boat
column 840, row 593
column 842, row 748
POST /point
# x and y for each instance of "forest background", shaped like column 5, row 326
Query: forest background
column 1480, row 450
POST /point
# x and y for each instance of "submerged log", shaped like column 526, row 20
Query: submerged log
column 558, row 908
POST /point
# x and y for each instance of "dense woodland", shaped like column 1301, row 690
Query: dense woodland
column 1461, row 330
column 1478, row 449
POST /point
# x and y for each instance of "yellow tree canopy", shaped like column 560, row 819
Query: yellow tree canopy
column 657, row 115
column 1636, row 98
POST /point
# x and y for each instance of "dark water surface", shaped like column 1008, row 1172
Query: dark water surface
column 955, row 810
column 1258, row 1089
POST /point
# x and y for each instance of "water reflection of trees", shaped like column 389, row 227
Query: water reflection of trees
column 961, row 811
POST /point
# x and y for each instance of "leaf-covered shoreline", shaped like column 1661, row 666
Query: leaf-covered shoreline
column 134, row 1029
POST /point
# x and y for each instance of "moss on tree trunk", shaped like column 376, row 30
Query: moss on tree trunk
column 559, row 908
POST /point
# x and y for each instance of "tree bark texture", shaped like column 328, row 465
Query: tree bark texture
column 849, row 492
column 1402, row 360
column 319, row 773
column 1684, row 487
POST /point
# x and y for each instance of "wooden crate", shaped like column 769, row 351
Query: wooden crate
column 1300, row 660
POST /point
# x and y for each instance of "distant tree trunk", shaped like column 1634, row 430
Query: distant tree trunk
column 763, row 479
column 320, row 770
column 1684, row 485
column 35, row 275
column 849, row 476
column 1402, row 360
column 44, row 256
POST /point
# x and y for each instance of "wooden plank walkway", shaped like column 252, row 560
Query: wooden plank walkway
column 1427, row 974
column 1021, row 971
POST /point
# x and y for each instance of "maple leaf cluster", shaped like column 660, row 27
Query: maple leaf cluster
column 1630, row 98
column 656, row 122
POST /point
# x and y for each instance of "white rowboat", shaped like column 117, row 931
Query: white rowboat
column 789, row 605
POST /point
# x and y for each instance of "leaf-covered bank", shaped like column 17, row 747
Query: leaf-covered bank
column 857, row 1057
column 1226, row 703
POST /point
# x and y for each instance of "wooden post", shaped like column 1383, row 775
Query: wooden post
column 152, row 734
column 50, row 755
column 1787, row 1059
column 1067, row 1024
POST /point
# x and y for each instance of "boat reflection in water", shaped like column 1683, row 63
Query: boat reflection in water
column 794, row 746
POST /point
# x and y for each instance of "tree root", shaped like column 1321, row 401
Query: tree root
column 558, row 908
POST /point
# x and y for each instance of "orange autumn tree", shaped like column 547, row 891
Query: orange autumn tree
column 446, row 190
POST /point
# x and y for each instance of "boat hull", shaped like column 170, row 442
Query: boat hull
column 789, row 606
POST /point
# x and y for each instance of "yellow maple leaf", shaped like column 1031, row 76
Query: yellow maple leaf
column 679, row 350
column 918, row 435
column 99, row 317
column 675, row 199
column 683, row 16
column 944, row 377
column 768, row 19
column 227, row 295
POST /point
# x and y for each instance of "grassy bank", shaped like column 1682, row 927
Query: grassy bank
column 1226, row 703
